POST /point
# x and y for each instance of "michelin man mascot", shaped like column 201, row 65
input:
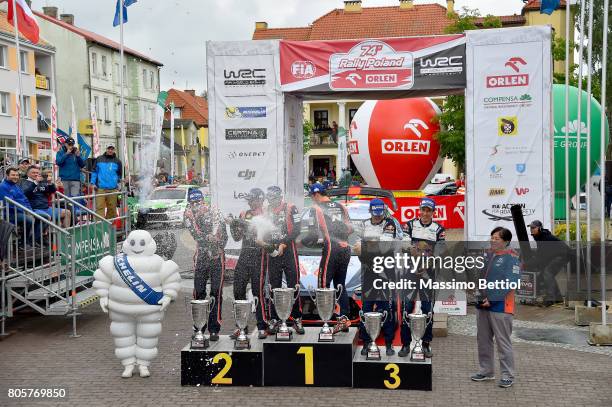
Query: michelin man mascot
column 135, row 288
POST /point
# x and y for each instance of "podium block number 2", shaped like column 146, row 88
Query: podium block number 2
column 394, row 370
column 220, row 377
column 308, row 363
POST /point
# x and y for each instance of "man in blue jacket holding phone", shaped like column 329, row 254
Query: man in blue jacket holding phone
column 70, row 162
column 106, row 180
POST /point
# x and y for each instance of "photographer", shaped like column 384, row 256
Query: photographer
column 70, row 162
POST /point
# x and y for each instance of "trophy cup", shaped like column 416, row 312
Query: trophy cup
column 418, row 323
column 283, row 299
column 200, row 311
column 325, row 302
column 242, row 311
column 373, row 321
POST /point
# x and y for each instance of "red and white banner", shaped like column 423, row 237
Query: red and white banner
column 26, row 22
column 399, row 64
column 95, row 131
column 450, row 210
column 54, row 143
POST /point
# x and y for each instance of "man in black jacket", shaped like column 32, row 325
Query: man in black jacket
column 37, row 190
column 551, row 257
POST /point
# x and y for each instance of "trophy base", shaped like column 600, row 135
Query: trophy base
column 326, row 337
column 373, row 355
column 242, row 344
column 284, row 336
column 417, row 357
column 200, row 344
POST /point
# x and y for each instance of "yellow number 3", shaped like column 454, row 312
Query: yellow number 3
column 393, row 375
column 220, row 377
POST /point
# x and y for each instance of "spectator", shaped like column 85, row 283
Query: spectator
column 461, row 181
column 9, row 188
column 70, row 162
column 334, row 132
column 23, row 170
column 106, row 180
column 38, row 191
column 495, row 310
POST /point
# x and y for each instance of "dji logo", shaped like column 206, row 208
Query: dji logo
column 246, row 174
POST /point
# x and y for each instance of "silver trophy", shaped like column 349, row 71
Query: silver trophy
column 283, row 299
column 418, row 324
column 200, row 311
column 242, row 311
column 373, row 321
column 325, row 302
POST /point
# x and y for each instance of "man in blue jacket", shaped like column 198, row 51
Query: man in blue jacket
column 9, row 188
column 105, row 179
column 70, row 162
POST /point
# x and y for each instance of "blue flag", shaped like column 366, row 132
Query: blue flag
column 126, row 3
column 84, row 147
column 548, row 6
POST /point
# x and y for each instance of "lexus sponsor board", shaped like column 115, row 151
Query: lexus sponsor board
column 246, row 134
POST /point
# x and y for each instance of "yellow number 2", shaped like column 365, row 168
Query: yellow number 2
column 220, row 377
column 308, row 364
column 393, row 375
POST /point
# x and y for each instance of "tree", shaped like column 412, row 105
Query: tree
column 308, row 128
column 452, row 120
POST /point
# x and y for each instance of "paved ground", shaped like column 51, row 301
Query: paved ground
column 40, row 354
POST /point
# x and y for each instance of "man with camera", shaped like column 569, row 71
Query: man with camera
column 70, row 162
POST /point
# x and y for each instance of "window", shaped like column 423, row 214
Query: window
column 26, row 107
column 97, row 105
column 4, row 103
column 352, row 113
column 94, row 63
column 177, row 112
column 125, row 77
column 24, row 61
column 152, row 117
column 144, row 78
column 104, row 70
column 125, row 112
column 321, row 119
column 116, row 73
column 152, row 81
column 3, row 53
column 106, row 109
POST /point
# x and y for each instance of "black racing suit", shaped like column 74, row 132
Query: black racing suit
column 551, row 257
column 250, row 266
column 424, row 239
column 378, row 240
column 332, row 221
column 209, row 231
column 286, row 220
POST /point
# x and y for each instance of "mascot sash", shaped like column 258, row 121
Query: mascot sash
column 133, row 280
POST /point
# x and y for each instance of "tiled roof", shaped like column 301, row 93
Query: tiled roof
column 506, row 21
column 192, row 107
column 535, row 5
column 99, row 39
column 370, row 22
column 6, row 28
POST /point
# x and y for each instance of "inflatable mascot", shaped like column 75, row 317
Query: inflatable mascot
column 135, row 288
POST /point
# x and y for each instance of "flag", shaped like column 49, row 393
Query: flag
column 84, row 147
column 25, row 20
column 94, row 129
column 62, row 136
column 172, row 139
column 548, row 6
column 73, row 121
column 18, row 109
column 54, row 144
column 126, row 3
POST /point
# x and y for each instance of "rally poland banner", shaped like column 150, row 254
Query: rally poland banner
column 508, row 127
column 435, row 64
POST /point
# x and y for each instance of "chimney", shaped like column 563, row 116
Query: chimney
column 261, row 25
column 190, row 91
column 67, row 18
column 406, row 4
column 450, row 6
column 51, row 11
column 352, row 6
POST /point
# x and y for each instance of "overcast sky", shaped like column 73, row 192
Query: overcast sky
column 174, row 31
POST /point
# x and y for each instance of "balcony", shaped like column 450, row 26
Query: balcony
column 42, row 82
column 322, row 139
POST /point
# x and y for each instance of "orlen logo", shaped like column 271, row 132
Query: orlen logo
column 303, row 69
column 451, row 300
column 402, row 146
column 353, row 147
column 507, row 81
column 521, row 191
column 413, row 212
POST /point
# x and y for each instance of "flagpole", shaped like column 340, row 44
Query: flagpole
column 20, row 114
column 602, row 141
column 121, row 97
column 588, row 153
column 579, row 145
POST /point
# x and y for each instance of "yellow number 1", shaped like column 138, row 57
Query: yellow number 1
column 393, row 375
column 308, row 364
column 220, row 377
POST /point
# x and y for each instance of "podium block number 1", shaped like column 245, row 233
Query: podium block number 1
column 308, row 363
column 220, row 377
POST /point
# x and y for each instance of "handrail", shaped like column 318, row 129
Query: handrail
column 35, row 215
column 88, row 210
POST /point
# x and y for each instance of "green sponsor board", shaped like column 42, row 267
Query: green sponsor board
column 92, row 242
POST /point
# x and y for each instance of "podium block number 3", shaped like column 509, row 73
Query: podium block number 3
column 308, row 363
column 220, row 377
column 393, row 375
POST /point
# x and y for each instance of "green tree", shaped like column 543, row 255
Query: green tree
column 452, row 120
column 308, row 128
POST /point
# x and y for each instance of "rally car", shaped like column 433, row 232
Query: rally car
column 165, row 205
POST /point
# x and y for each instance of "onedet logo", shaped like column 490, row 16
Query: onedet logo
column 239, row 112
column 521, row 191
column 246, row 174
column 232, row 155
column 401, row 146
column 353, row 147
column 507, row 126
column 244, row 77
column 413, row 212
column 246, row 134
column 303, row 69
column 507, row 81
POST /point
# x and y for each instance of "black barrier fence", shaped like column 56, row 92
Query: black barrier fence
column 546, row 271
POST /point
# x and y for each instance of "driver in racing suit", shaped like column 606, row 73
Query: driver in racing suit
column 284, row 258
column 208, row 229
column 424, row 233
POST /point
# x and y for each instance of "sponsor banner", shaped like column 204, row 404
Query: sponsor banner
column 244, row 112
column 451, row 302
column 508, row 127
column 450, row 210
column 374, row 65
column 244, row 75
